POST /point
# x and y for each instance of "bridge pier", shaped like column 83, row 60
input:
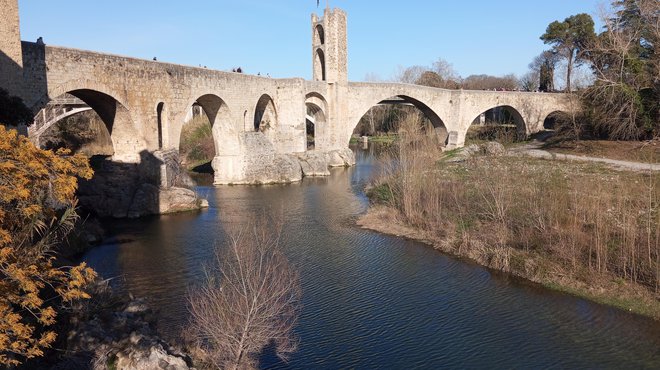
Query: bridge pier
column 227, row 169
column 456, row 139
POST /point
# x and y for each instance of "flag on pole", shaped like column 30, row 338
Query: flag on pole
column 318, row 2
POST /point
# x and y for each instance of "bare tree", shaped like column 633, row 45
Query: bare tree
column 530, row 81
column 487, row 82
column 445, row 70
column 409, row 75
column 250, row 300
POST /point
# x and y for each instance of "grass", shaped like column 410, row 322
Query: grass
column 625, row 302
column 384, row 138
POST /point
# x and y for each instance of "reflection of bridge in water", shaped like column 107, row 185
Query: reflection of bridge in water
column 255, row 120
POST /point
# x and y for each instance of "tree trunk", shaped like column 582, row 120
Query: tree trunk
column 569, row 70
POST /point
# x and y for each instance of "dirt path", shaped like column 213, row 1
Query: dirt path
column 533, row 149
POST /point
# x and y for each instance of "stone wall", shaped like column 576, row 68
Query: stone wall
column 11, row 57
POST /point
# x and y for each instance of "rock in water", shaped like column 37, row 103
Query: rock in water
column 313, row 164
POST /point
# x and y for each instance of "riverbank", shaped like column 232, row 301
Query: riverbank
column 603, row 288
column 110, row 331
column 578, row 227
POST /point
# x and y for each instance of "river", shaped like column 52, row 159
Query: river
column 372, row 300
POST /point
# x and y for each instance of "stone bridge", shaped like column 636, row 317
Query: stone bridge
column 255, row 120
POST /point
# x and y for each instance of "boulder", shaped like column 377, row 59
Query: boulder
column 273, row 169
column 493, row 148
column 153, row 357
column 313, row 164
column 174, row 200
column 341, row 158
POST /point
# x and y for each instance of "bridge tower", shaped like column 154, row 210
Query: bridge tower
column 329, row 46
column 11, row 52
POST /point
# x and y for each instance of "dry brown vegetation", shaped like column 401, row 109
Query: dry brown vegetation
column 81, row 133
column 562, row 223
column 636, row 151
column 249, row 300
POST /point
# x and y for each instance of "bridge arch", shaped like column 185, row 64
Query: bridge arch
column 316, row 108
column 127, row 139
column 219, row 117
column 554, row 119
column 439, row 126
column 508, row 120
column 265, row 114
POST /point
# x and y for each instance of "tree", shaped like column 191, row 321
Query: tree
column 440, row 75
column 37, row 210
column 250, row 300
column 624, row 103
column 431, row 79
column 487, row 82
column 569, row 39
column 530, row 81
column 447, row 73
column 409, row 75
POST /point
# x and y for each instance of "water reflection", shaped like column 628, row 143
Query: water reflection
column 374, row 301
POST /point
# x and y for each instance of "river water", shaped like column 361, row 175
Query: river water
column 372, row 300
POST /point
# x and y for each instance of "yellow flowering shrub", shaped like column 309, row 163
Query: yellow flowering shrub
column 37, row 210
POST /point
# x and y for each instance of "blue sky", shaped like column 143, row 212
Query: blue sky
column 273, row 36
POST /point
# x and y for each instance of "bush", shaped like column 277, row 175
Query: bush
column 37, row 210
column 249, row 300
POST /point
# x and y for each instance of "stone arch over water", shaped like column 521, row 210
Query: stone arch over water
column 127, row 139
column 439, row 127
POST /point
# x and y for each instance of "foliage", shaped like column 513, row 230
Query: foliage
column 543, row 70
column 624, row 103
column 569, row 39
column 12, row 110
column 249, row 300
column 197, row 141
column 37, row 201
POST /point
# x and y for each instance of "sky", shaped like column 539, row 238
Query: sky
column 273, row 37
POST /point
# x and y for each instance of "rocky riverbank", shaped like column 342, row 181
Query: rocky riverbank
column 110, row 331
column 156, row 185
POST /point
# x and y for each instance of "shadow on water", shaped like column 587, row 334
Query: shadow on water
column 372, row 300
column 203, row 168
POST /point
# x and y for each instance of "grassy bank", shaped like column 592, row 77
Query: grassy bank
column 577, row 227
column 385, row 138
